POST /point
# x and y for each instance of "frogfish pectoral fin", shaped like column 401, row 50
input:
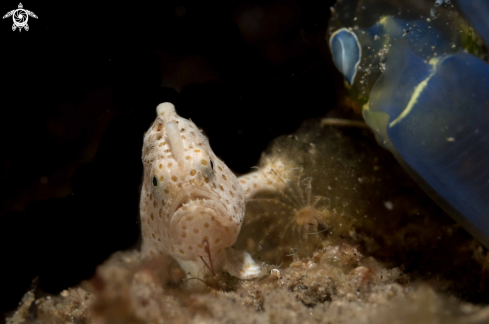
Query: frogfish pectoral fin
column 241, row 265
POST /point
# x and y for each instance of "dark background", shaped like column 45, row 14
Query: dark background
column 79, row 89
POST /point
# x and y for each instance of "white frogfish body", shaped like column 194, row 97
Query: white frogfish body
column 192, row 205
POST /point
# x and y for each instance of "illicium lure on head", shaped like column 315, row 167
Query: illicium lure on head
column 425, row 85
column 192, row 205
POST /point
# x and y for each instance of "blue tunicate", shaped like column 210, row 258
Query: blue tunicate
column 346, row 52
column 434, row 117
column 424, row 85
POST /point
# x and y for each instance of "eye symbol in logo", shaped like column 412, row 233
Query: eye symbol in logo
column 20, row 17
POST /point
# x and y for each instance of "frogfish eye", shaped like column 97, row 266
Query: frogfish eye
column 154, row 181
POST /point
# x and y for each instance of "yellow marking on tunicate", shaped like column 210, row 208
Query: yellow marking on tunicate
column 153, row 235
column 161, row 178
column 174, row 178
column 193, row 172
column 383, row 21
column 190, row 248
column 213, row 218
column 269, row 182
column 167, row 191
column 414, row 99
column 197, row 151
column 155, row 204
column 255, row 185
column 183, row 137
column 217, row 241
column 247, row 191
column 190, row 219
column 234, row 188
column 159, row 138
column 187, row 157
column 199, row 245
column 206, row 238
column 227, row 229
column 184, row 208
column 170, row 164
column 161, row 144
column 181, row 251
column 160, row 166
column 204, row 162
column 199, row 144
column 235, row 209
column 167, row 151
column 206, row 225
column 220, row 169
column 206, row 180
column 184, row 235
column 224, row 177
column 222, row 188
column 152, row 216
column 184, row 227
column 196, row 230
column 242, row 181
column 227, row 202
